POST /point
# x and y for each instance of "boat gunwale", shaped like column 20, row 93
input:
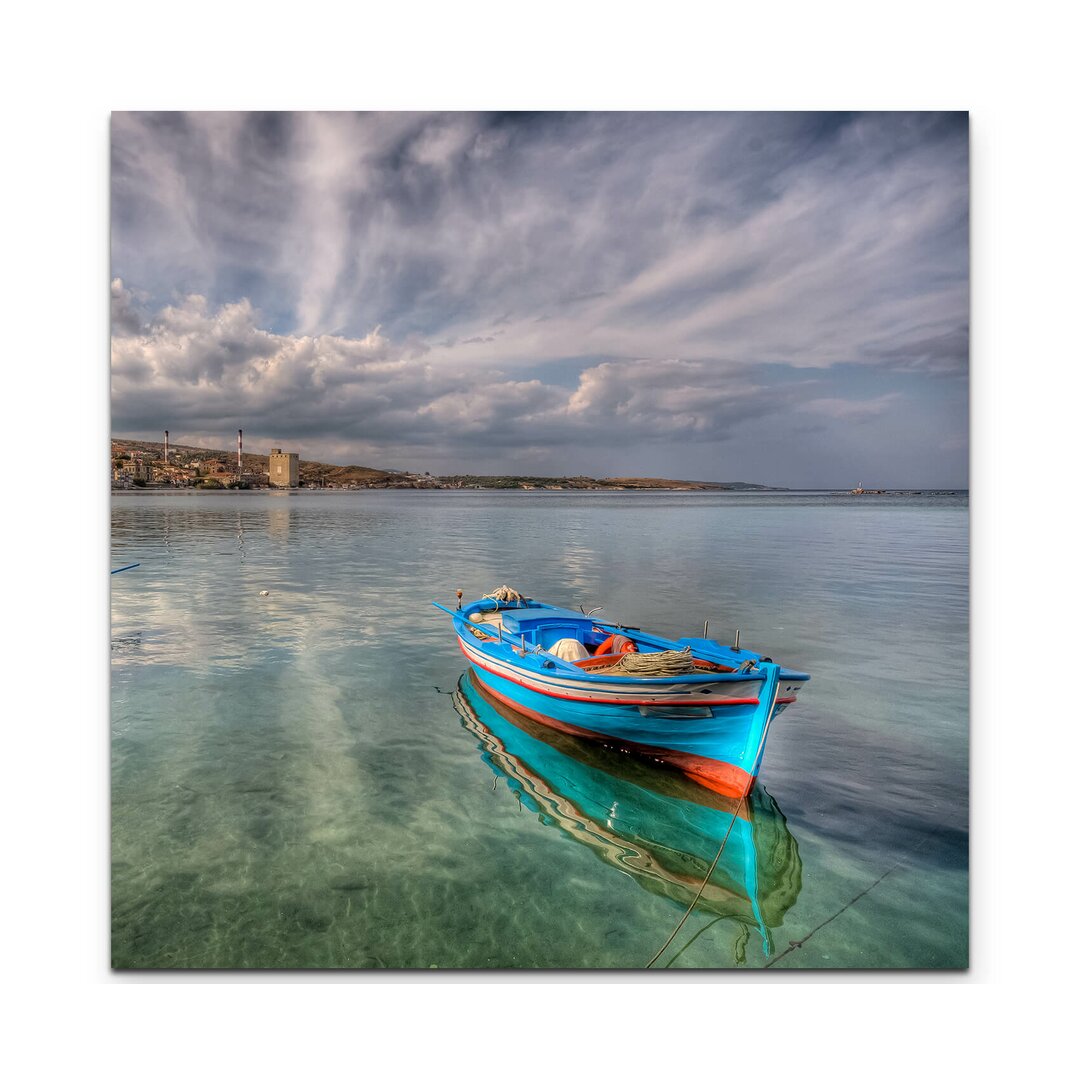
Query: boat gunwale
column 509, row 653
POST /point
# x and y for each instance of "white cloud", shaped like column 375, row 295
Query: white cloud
column 849, row 409
column 195, row 365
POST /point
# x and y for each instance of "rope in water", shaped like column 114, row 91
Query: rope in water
column 655, row 664
column 793, row 945
column 705, row 881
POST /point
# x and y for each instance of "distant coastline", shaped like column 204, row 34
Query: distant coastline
column 831, row 493
column 141, row 466
column 198, row 468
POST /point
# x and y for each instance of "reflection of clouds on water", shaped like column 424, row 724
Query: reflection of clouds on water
column 234, row 746
column 227, row 625
column 579, row 566
column 204, row 602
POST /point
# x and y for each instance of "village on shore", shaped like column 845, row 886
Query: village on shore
column 160, row 465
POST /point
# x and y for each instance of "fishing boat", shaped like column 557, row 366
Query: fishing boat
column 693, row 703
column 646, row 820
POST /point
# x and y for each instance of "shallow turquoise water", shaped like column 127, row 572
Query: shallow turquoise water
column 298, row 781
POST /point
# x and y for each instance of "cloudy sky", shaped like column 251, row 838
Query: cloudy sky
column 776, row 298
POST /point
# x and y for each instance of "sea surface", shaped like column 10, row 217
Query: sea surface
column 304, row 779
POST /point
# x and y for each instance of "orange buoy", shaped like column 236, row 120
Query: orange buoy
column 615, row 643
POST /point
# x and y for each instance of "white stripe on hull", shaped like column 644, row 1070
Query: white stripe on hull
column 636, row 691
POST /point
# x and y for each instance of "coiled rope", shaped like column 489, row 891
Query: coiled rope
column 655, row 665
column 504, row 594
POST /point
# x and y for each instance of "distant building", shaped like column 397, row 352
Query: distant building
column 177, row 475
column 284, row 469
column 133, row 470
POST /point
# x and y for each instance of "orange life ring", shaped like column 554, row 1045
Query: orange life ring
column 615, row 643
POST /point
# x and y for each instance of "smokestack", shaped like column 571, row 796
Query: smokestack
column 166, row 448
column 239, row 449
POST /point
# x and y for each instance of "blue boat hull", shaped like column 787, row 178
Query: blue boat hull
column 722, row 749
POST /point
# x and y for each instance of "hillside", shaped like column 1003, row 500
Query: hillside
column 578, row 483
column 322, row 474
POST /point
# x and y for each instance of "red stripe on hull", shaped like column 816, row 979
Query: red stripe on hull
column 718, row 776
column 609, row 700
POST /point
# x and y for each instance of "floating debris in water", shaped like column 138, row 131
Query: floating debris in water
column 265, row 592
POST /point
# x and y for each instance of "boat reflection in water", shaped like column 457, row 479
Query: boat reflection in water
column 644, row 818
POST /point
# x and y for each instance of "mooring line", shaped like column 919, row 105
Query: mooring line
column 792, row 946
column 704, row 882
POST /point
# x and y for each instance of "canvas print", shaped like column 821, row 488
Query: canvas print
column 539, row 541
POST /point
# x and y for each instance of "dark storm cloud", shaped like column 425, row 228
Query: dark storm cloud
column 402, row 280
